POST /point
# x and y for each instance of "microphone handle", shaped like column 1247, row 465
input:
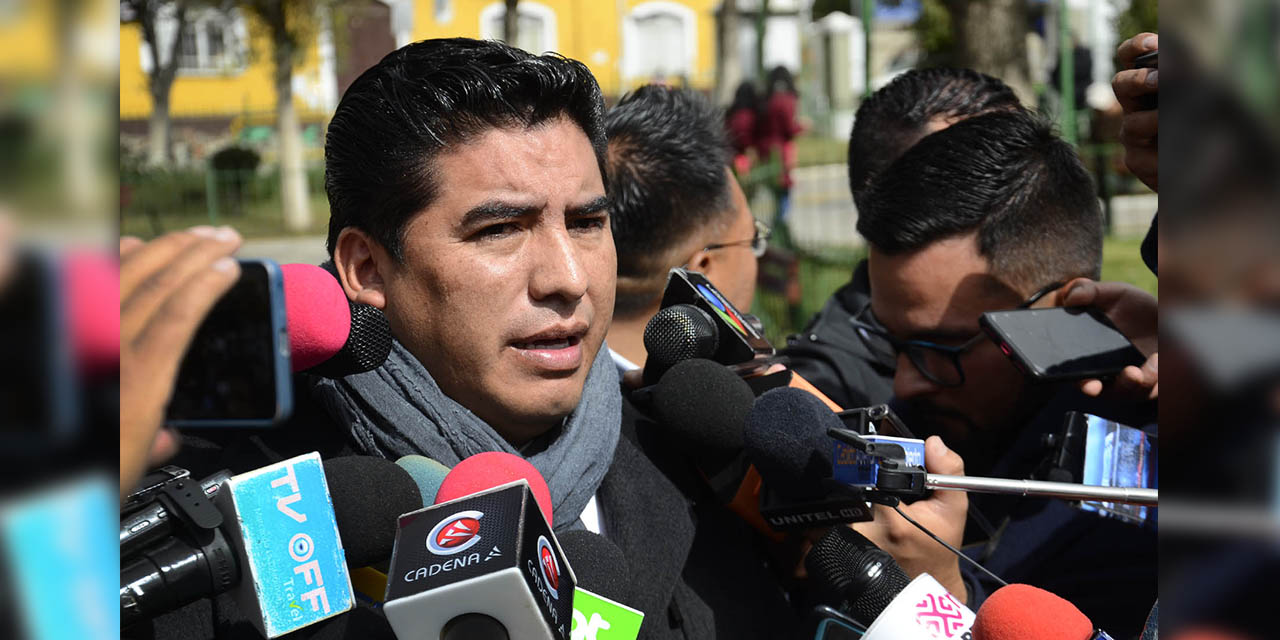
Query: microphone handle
column 1064, row 490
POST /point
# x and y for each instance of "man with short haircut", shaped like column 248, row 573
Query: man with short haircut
column 994, row 213
column 828, row 352
column 675, row 203
column 465, row 180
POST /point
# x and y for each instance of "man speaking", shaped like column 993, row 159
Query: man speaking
column 467, row 202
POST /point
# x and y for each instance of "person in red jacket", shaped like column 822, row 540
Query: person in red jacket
column 777, row 129
column 740, row 122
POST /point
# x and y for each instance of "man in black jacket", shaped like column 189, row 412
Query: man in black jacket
column 995, row 213
column 852, row 369
column 467, row 202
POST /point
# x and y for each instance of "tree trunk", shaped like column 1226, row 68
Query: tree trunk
column 729, row 70
column 511, row 23
column 159, row 131
column 293, row 171
column 991, row 37
column 160, row 81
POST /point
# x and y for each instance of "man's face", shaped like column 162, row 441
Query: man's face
column 506, row 291
column 937, row 294
column 733, row 269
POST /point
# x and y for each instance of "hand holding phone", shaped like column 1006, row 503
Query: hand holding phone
column 1061, row 343
column 166, row 288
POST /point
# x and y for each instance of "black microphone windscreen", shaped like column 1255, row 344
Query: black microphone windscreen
column 675, row 334
column 854, row 575
column 786, row 439
column 368, row 495
column 598, row 564
column 704, row 406
column 367, row 347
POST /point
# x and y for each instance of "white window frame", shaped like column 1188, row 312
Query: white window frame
column 235, row 38
column 632, row 56
column 546, row 15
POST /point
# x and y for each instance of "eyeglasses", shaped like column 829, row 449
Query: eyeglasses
column 758, row 242
column 939, row 363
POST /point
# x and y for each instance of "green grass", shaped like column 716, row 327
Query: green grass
column 1122, row 262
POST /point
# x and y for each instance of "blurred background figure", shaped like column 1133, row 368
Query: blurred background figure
column 776, row 131
column 740, row 120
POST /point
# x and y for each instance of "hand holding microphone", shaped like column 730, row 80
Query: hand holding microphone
column 943, row 513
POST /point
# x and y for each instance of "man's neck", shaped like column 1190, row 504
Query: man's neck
column 626, row 337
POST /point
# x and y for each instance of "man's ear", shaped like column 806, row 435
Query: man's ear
column 361, row 262
column 700, row 261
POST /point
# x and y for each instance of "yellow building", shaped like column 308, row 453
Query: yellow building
column 225, row 70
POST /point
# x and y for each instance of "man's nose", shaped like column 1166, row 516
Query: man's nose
column 558, row 270
column 908, row 381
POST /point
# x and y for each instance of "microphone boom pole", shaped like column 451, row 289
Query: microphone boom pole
column 1040, row 488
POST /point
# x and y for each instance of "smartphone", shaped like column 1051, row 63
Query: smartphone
column 1096, row 451
column 236, row 371
column 1061, row 343
column 1149, row 60
column 740, row 337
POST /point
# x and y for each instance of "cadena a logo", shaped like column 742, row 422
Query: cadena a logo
column 550, row 568
column 455, row 534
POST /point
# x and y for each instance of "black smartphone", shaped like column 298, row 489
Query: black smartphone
column 236, row 371
column 1096, row 451
column 740, row 337
column 1061, row 343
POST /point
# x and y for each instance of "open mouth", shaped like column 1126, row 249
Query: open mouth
column 549, row 344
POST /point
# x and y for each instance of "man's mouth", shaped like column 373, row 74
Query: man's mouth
column 556, row 350
column 551, row 343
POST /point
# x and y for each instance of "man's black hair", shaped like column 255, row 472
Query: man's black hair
column 424, row 97
column 1006, row 176
column 666, row 173
column 898, row 115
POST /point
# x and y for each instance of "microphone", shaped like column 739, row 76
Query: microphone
column 427, row 473
column 275, row 536
column 602, row 574
column 677, row 333
column 868, row 585
column 479, row 563
column 786, row 439
column 1024, row 612
column 702, row 407
column 329, row 335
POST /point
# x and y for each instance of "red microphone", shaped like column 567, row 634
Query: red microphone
column 329, row 335
column 1024, row 612
column 485, row 471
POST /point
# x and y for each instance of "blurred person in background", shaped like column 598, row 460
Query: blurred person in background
column 740, row 120
column 676, row 203
column 996, row 212
column 829, row 352
column 776, row 132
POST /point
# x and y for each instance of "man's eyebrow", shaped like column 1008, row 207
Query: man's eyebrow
column 595, row 206
column 497, row 211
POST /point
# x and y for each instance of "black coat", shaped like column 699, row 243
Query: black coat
column 830, row 354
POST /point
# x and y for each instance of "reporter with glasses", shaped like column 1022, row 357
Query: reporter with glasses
column 993, row 213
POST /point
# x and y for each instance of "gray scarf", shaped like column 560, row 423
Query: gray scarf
column 398, row 410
